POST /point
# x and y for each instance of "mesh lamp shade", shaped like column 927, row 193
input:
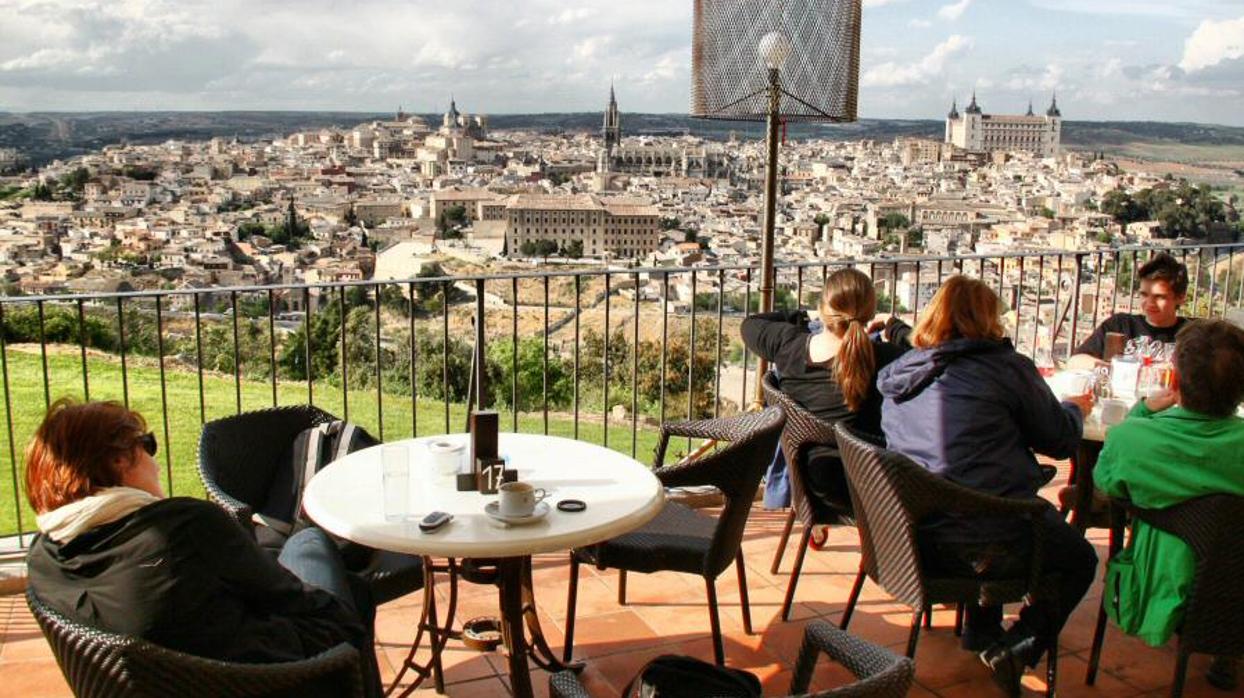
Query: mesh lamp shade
column 736, row 42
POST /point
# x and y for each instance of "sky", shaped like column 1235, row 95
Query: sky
column 1163, row 60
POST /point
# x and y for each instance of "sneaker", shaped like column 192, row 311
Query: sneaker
column 980, row 640
column 1007, row 667
column 1223, row 673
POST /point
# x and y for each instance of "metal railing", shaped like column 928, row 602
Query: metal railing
column 660, row 343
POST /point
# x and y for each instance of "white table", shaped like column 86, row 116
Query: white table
column 345, row 498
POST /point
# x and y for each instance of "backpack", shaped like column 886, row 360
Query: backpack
column 310, row 451
column 676, row 676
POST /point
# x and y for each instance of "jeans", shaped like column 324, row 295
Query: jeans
column 1065, row 553
column 313, row 558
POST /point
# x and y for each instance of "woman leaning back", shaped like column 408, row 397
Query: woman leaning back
column 831, row 373
column 115, row 554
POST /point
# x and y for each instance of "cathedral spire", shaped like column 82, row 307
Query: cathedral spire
column 1030, row 112
column 954, row 109
column 973, row 108
column 1053, row 110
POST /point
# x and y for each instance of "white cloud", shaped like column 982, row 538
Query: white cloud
column 572, row 15
column 954, row 10
column 917, row 23
column 1212, row 43
column 894, row 74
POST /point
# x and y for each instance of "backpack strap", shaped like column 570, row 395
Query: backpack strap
column 345, row 440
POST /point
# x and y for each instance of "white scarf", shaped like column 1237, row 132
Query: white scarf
column 65, row 523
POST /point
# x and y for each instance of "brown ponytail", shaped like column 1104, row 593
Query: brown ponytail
column 847, row 305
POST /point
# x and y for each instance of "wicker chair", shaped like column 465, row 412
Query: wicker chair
column 891, row 495
column 881, row 673
column 99, row 664
column 1213, row 621
column 238, row 457
column 803, row 430
column 681, row 539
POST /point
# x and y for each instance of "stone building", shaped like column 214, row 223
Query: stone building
column 975, row 131
column 617, row 227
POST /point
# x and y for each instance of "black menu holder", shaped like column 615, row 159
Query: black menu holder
column 484, row 425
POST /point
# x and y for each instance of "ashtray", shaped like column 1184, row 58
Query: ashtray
column 482, row 634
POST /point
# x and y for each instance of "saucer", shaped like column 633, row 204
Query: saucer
column 493, row 510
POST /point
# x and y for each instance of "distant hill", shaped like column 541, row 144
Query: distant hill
column 46, row 136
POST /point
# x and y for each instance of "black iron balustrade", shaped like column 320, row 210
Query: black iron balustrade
column 1045, row 292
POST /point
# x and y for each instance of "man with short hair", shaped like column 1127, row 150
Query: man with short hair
column 1145, row 460
column 1163, row 288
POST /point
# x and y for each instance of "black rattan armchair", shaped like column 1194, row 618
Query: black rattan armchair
column 891, row 495
column 238, row 459
column 803, row 430
column 683, row 540
column 99, row 664
column 1213, row 621
column 881, row 673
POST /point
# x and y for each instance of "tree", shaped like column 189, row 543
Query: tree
column 1047, row 212
column 894, row 221
column 670, row 223
column 573, row 250
column 1120, row 206
column 528, row 248
column 530, row 377
column 690, row 236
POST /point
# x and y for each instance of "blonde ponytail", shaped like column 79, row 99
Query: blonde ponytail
column 855, row 365
column 847, row 304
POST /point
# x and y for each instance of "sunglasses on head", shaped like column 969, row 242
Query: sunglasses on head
column 148, row 442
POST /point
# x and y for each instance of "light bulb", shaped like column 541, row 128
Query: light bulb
column 774, row 48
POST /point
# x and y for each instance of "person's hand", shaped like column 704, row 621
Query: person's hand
column 1084, row 402
column 878, row 323
column 1162, row 400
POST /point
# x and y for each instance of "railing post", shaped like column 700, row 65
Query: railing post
column 1075, row 304
column 481, row 370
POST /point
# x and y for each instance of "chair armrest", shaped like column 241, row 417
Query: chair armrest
column 565, row 684
column 236, row 508
column 698, row 471
column 880, row 671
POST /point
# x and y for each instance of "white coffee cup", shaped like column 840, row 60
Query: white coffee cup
column 1113, row 411
column 518, row 498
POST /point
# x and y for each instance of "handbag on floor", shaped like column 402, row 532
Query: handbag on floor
column 675, row 676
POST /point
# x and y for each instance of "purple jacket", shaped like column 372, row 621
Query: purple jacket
column 974, row 411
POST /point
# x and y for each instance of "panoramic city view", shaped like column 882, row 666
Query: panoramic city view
column 364, row 350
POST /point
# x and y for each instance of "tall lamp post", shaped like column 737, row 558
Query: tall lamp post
column 767, row 60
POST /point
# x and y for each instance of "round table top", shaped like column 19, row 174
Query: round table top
column 345, row 498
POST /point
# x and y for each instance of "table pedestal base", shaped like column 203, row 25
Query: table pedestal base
column 520, row 627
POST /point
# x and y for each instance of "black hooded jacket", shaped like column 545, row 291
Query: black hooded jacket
column 181, row 574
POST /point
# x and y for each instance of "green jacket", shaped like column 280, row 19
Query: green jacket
column 1156, row 460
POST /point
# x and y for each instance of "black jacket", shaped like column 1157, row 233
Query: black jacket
column 782, row 339
column 181, row 574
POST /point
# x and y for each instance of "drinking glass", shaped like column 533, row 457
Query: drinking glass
column 395, row 482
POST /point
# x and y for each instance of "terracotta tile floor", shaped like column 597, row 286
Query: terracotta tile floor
column 667, row 613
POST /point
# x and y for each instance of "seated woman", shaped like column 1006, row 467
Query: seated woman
column 968, row 407
column 1147, row 460
column 114, row 553
column 830, row 373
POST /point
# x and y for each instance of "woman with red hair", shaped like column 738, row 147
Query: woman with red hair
column 114, row 553
column 968, row 407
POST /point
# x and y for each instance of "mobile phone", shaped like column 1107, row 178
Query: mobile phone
column 435, row 520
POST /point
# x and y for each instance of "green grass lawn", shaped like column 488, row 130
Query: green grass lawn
column 178, row 452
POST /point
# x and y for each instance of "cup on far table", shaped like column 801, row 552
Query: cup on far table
column 1113, row 411
column 518, row 499
column 395, row 481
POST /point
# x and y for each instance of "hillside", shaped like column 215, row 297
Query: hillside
column 46, row 136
